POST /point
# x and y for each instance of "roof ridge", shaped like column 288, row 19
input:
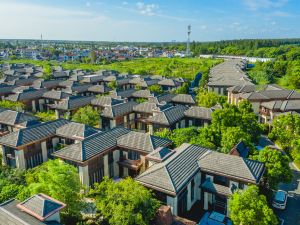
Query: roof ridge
column 245, row 160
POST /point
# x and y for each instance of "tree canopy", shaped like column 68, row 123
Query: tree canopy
column 248, row 207
column 277, row 167
column 58, row 180
column 156, row 89
column 209, row 99
column 87, row 115
column 18, row 106
column 124, row 202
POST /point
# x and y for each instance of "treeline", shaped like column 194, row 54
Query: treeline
column 272, row 48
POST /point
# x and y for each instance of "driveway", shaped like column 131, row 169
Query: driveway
column 291, row 214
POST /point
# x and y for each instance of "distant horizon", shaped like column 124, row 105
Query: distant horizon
column 149, row 20
column 169, row 42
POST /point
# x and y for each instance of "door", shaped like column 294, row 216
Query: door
column 182, row 203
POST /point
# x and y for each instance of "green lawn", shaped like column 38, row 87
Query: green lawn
column 176, row 67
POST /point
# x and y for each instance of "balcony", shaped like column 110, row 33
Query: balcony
column 264, row 112
column 3, row 132
column 130, row 164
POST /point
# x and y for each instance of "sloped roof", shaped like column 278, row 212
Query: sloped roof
column 160, row 154
column 142, row 94
column 33, row 133
column 199, row 112
column 142, row 142
column 171, row 175
column 105, row 100
column 99, row 89
column 118, row 109
column 26, row 95
column 57, row 95
column 145, row 107
column 232, row 166
column 169, row 116
column 169, row 82
column 11, row 117
column 73, row 102
column 41, row 206
column 74, row 130
column 184, row 98
column 92, row 145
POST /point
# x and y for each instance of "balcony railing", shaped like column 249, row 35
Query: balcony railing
column 129, row 163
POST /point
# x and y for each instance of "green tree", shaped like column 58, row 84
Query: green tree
column 18, row 106
column 277, row 167
column 184, row 89
column 285, row 129
column 60, row 181
column 124, row 202
column 232, row 136
column 46, row 116
column 248, row 207
column 156, row 89
column 93, row 56
column 112, row 85
column 87, row 115
column 209, row 99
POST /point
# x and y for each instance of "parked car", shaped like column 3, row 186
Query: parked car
column 280, row 199
column 215, row 218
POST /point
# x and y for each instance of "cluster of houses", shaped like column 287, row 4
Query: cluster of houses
column 40, row 51
column 124, row 144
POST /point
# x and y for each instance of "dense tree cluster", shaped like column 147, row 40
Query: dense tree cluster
column 124, row 202
column 229, row 126
column 249, row 207
column 87, row 115
column 18, row 106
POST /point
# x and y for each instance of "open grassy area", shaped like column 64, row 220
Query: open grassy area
column 175, row 67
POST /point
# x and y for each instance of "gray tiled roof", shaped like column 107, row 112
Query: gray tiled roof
column 163, row 98
column 45, row 84
column 56, row 95
column 73, row 102
column 99, row 89
column 26, row 95
column 6, row 89
column 171, row 175
column 184, row 98
column 284, row 106
column 32, row 133
column 142, row 94
column 105, row 100
column 74, row 130
column 118, row 109
column 169, row 82
column 11, row 117
column 199, row 113
column 169, row 116
column 142, row 142
column 216, row 188
column 123, row 94
column 41, row 205
column 92, row 145
column 92, row 78
column 11, row 215
column 229, row 165
column 160, row 154
column 145, row 107
column 78, row 88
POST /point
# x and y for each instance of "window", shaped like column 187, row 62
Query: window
column 221, row 180
column 192, row 190
column 241, row 186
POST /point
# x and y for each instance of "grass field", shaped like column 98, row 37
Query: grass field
column 175, row 67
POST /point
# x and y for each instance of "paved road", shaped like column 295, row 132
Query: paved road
column 291, row 214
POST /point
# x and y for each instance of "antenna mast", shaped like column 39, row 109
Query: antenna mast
column 188, row 49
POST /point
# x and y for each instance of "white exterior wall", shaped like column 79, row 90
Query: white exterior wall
column 84, row 175
column 112, row 123
column 55, row 142
column 2, row 150
column 172, row 202
column 116, row 154
column 33, row 106
column 20, row 159
column 105, row 159
column 44, row 151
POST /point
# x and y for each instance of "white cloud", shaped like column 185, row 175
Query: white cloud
column 125, row 3
column 264, row 4
column 88, row 4
column 147, row 9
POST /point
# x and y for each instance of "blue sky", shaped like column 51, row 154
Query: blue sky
column 149, row 20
